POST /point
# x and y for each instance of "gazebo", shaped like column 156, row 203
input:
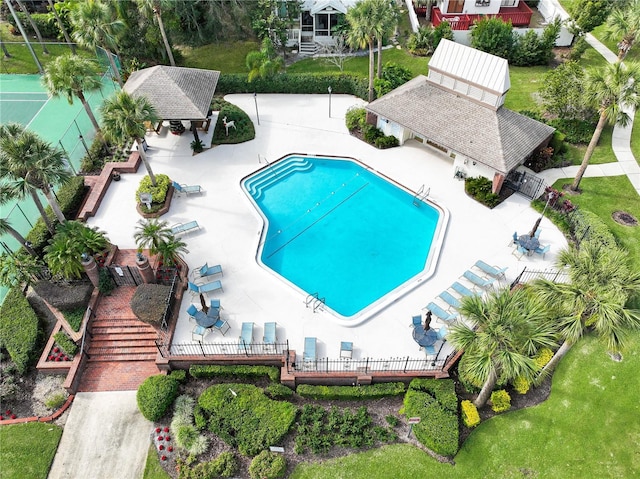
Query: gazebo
column 176, row 93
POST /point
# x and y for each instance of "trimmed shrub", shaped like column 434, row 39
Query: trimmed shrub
column 500, row 400
column 589, row 226
column 235, row 372
column 155, row 395
column 225, row 465
column 148, row 303
column 577, row 132
column 356, row 117
column 179, row 375
column 385, row 142
column 267, row 465
column 521, row 385
column 247, row 420
column 480, row 189
column 18, row 329
column 543, row 357
column 470, row 415
column 66, row 343
column 348, row 393
column 158, row 192
column 278, row 391
column 370, row 133
column 74, row 317
column 243, row 131
column 435, row 402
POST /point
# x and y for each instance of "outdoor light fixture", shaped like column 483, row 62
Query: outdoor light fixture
column 329, row 90
column 255, row 99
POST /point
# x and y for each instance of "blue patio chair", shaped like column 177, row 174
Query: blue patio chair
column 537, row 233
column 206, row 270
column 462, row 290
column 186, row 189
column 542, row 250
column 478, row 280
column 198, row 333
column 269, row 337
column 191, row 311
column 441, row 313
column 309, row 356
column 246, row 336
column 520, row 251
column 346, row 349
column 442, row 332
column 194, row 289
column 430, row 350
column 222, row 326
column 514, row 239
column 416, row 321
column 490, row 270
column 451, row 300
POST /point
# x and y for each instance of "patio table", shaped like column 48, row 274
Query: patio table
column 424, row 338
column 530, row 243
column 205, row 320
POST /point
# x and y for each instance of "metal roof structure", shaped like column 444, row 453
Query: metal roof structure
column 315, row 6
column 478, row 68
column 501, row 139
column 176, row 93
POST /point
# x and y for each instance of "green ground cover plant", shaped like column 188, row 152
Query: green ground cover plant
column 152, row 467
column 591, row 412
column 66, row 343
column 27, row 450
column 349, row 393
column 244, row 417
column 236, row 372
column 74, row 317
column 19, row 329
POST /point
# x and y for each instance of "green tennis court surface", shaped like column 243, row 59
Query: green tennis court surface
column 20, row 107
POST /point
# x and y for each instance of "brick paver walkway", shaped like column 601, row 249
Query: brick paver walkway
column 122, row 352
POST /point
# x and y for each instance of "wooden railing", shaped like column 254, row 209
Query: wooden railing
column 519, row 16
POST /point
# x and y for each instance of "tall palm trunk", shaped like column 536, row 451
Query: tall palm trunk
column 164, row 37
column 379, row 57
column 4, row 49
column 62, row 28
column 486, row 390
column 560, row 353
column 25, row 36
column 592, row 146
column 34, row 26
column 371, row 69
column 7, row 228
column 112, row 62
column 43, row 213
column 87, row 108
column 48, row 193
column 145, row 160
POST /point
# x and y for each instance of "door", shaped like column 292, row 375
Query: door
column 455, row 6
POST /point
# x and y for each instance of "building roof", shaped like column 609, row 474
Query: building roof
column 315, row 6
column 176, row 93
column 476, row 67
column 500, row 138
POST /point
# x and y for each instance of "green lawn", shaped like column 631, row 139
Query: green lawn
column 587, row 428
column 225, row 57
column 152, row 468
column 27, row 450
column 605, row 195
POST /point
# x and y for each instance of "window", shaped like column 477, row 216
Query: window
column 322, row 25
column 483, row 3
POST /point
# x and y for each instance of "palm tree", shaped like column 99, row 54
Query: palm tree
column 28, row 164
column 609, row 89
column 123, row 117
column 264, row 63
column 17, row 269
column 33, row 26
column 509, row 327
column 154, row 7
column 623, row 25
column 171, row 249
column 93, row 27
column 5, row 226
column 71, row 75
column 601, row 284
column 386, row 21
column 25, row 36
column 62, row 27
column 150, row 234
column 363, row 21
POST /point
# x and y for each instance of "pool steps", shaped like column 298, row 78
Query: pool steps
column 275, row 172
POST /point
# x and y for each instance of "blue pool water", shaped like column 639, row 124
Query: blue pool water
column 338, row 229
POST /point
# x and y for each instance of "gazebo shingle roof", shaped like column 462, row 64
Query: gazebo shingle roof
column 177, row 93
column 501, row 138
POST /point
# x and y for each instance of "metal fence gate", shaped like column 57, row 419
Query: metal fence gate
column 525, row 183
column 125, row 275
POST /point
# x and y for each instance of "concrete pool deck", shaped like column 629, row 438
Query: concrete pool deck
column 230, row 227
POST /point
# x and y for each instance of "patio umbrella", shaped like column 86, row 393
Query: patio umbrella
column 203, row 302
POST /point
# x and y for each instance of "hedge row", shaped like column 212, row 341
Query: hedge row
column 294, row 83
column 18, row 329
column 243, row 372
column 589, row 226
column 347, row 393
column 435, row 402
column 47, row 28
column 70, row 196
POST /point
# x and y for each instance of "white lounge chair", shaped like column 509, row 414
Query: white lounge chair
column 186, row 189
column 184, row 227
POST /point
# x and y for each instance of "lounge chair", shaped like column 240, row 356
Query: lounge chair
column 269, row 338
column 184, row 227
column 186, row 189
column 206, row 270
column 416, row 321
column 222, row 326
column 441, row 313
column 194, row 289
column 542, row 250
column 309, row 355
column 346, row 349
column 246, row 337
column 462, row 290
column 490, row 270
column 451, row 300
column 478, row 280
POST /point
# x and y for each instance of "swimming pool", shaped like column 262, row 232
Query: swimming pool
column 335, row 227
